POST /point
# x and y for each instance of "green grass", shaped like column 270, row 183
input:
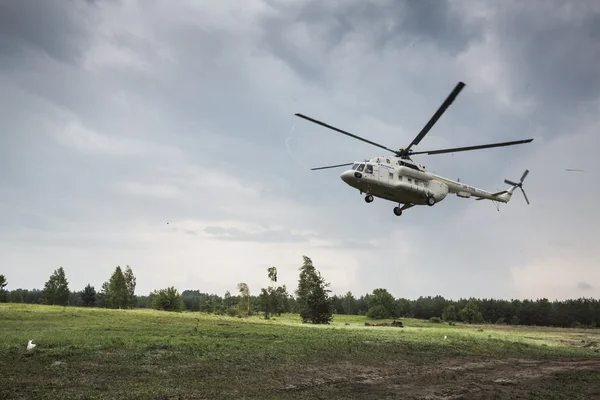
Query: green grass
column 98, row 353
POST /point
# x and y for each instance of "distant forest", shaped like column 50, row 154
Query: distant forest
column 312, row 301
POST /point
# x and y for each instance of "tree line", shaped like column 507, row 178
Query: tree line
column 311, row 300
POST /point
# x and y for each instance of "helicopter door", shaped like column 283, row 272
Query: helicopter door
column 383, row 175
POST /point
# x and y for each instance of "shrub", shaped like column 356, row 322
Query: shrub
column 167, row 299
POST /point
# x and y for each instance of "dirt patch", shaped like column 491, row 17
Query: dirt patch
column 450, row 379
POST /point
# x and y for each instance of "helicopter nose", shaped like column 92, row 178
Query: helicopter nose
column 347, row 176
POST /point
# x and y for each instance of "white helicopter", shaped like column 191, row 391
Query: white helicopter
column 399, row 179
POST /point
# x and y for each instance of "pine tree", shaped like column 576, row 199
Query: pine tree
column 56, row 289
column 313, row 296
column 88, row 296
column 130, row 285
column 117, row 289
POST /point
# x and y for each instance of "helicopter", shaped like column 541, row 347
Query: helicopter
column 399, row 179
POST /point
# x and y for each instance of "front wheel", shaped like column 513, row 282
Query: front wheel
column 369, row 198
column 430, row 201
column 398, row 211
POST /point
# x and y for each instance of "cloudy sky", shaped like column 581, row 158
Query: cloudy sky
column 162, row 135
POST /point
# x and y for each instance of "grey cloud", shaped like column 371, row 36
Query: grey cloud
column 57, row 28
column 381, row 24
column 584, row 286
column 348, row 245
column 223, row 103
column 271, row 236
column 555, row 58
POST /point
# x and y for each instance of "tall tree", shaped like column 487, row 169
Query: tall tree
column 56, row 288
column 349, row 304
column 130, row 285
column 244, row 303
column 88, row 296
column 117, row 289
column 3, row 292
column 273, row 299
column 313, row 295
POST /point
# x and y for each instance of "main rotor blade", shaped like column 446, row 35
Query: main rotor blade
column 511, row 183
column 344, row 132
column 331, row 166
column 451, row 97
column 483, row 146
column 524, row 195
column 524, row 175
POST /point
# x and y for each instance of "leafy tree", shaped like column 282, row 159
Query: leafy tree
column 130, row 287
column 88, row 296
column 381, row 304
column 273, row 300
column 470, row 313
column 449, row 313
column 167, row 299
column 56, row 288
column 313, row 296
column 117, row 289
column 3, row 292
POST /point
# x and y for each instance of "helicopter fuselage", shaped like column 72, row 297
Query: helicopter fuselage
column 401, row 180
column 405, row 182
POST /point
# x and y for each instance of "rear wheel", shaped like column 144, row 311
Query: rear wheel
column 398, row 211
column 369, row 198
column 430, row 201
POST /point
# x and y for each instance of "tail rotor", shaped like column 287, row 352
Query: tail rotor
column 518, row 185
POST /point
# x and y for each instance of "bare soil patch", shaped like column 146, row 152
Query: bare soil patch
column 463, row 378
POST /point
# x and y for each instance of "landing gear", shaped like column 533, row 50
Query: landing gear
column 398, row 210
column 369, row 198
column 430, row 201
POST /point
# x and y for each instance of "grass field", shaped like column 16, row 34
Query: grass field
column 146, row 354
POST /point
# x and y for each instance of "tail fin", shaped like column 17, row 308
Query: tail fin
column 514, row 186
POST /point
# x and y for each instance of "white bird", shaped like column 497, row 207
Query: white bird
column 30, row 345
column 444, row 337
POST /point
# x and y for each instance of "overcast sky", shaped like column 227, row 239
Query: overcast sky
column 162, row 135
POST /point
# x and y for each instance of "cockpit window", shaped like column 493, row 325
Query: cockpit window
column 369, row 169
column 355, row 166
column 361, row 167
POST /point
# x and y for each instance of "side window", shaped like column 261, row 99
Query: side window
column 400, row 178
column 391, row 176
column 361, row 167
column 409, row 180
column 387, row 160
column 354, row 166
column 369, row 169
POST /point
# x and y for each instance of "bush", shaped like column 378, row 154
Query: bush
column 435, row 320
column 167, row 299
column 378, row 312
column 233, row 312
